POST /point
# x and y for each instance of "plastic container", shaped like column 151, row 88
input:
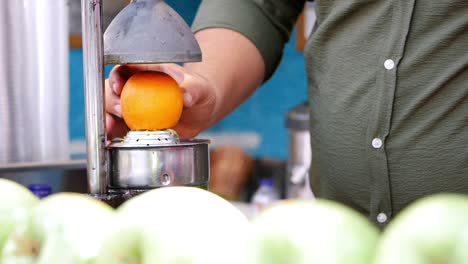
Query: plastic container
column 265, row 195
column 40, row 190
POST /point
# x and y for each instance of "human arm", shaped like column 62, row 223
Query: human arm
column 212, row 89
column 234, row 64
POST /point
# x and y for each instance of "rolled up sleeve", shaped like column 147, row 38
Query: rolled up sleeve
column 267, row 23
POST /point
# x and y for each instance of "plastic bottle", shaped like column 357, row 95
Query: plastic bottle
column 265, row 195
column 40, row 190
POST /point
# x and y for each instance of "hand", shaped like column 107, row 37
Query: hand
column 199, row 98
column 212, row 88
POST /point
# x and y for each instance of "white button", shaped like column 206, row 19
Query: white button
column 377, row 143
column 382, row 218
column 389, row 64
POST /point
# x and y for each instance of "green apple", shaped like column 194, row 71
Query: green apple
column 318, row 232
column 15, row 201
column 63, row 228
column 431, row 230
column 177, row 225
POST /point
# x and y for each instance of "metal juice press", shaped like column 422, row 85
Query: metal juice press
column 146, row 31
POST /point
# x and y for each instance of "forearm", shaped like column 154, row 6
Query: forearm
column 232, row 64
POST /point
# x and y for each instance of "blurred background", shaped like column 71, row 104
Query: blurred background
column 255, row 135
column 258, row 125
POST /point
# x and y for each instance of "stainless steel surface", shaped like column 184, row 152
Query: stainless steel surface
column 110, row 9
column 94, row 95
column 185, row 163
column 149, row 31
column 150, row 138
column 299, row 153
column 60, row 180
column 146, row 31
column 33, row 95
column 35, row 166
column 299, row 156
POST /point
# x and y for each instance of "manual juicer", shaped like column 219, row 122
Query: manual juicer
column 146, row 31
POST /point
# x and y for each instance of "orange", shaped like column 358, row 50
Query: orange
column 151, row 101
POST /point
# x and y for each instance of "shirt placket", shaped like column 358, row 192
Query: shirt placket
column 379, row 124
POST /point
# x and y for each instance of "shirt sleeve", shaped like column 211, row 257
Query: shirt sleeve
column 267, row 23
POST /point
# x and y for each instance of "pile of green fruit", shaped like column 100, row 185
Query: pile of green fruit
column 183, row 225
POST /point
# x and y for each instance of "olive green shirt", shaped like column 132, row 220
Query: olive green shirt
column 388, row 88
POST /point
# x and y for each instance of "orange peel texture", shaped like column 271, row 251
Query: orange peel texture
column 151, row 101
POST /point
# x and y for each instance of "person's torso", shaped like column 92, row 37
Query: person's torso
column 388, row 83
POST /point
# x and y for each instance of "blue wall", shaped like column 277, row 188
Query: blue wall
column 263, row 113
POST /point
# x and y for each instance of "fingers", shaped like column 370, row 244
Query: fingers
column 198, row 93
column 177, row 72
column 189, row 83
column 186, row 132
column 115, row 127
column 188, row 100
column 117, row 78
column 112, row 101
column 192, row 89
column 120, row 74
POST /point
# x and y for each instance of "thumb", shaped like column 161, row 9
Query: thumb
column 195, row 88
column 183, row 79
column 177, row 72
